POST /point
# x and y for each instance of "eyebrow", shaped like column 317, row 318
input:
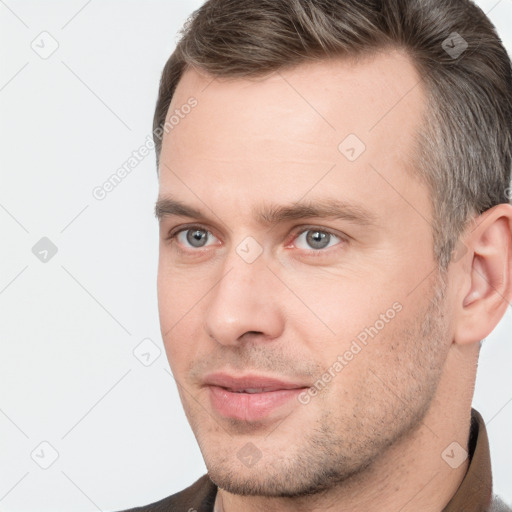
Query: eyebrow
column 272, row 214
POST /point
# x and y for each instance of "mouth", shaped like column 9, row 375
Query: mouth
column 251, row 397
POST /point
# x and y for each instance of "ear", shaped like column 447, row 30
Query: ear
column 487, row 290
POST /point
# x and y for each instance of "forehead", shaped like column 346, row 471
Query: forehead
column 281, row 134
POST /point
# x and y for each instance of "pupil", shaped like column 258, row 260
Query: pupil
column 196, row 236
column 318, row 240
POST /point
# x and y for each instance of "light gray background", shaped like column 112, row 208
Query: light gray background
column 69, row 327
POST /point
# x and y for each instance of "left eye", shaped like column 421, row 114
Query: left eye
column 316, row 239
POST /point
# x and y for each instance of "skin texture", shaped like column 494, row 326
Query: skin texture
column 372, row 437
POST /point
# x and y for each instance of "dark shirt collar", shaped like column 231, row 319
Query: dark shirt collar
column 474, row 492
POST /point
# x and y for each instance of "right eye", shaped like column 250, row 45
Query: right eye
column 193, row 237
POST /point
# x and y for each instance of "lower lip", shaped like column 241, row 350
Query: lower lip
column 249, row 406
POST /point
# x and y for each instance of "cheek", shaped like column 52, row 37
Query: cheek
column 178, row 293
column 344, row 305
column 181, row 347
column 378, row 361
column 179, row 308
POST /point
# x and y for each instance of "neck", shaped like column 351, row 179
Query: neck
column 218, row 506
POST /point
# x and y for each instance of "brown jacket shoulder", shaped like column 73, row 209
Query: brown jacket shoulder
column 199, row 497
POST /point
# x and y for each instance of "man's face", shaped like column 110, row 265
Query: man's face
column 304, row 341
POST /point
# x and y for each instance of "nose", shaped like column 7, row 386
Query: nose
column 244, row 303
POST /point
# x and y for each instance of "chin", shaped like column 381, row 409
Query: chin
column 292, row 476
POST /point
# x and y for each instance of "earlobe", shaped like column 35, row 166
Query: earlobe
column 489, row 270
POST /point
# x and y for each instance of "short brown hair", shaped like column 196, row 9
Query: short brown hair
column 465, row 144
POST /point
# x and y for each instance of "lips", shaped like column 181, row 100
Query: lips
column 247, row 383
column 250, row 397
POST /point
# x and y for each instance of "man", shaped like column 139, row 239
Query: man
column 335, row 244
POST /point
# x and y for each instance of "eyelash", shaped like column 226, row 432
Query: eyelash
column 299, row 231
